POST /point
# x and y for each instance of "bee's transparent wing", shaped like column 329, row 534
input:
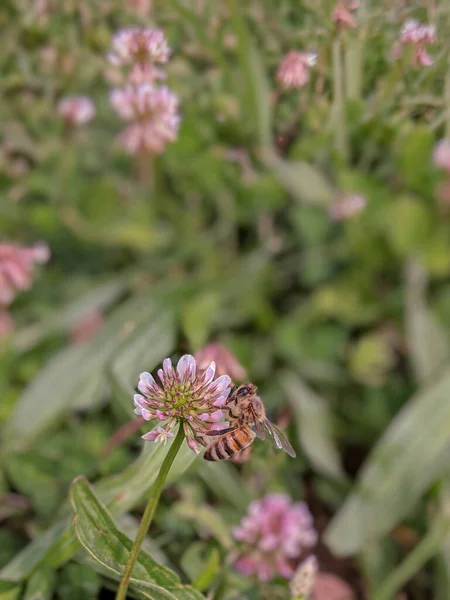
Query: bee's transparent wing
column 278, row 438
column 258, row 426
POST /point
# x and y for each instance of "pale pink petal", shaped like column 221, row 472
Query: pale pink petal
column 147, row 415
column 146, row 382
column 193, row 445
column 186, row 368
column 220, row 384
column 151, row 435
column 219, row 426
column 268, row 543
column 167, row 367
column 213, row 417
column 209, row 373
column 221, row 400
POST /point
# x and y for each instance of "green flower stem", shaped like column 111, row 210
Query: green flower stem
column 149, row 512
column 339, row 117
column 425, row 550
column 447, row 99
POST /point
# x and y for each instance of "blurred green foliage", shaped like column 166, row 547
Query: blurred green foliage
column 343, row 325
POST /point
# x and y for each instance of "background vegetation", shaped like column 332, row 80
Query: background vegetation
column 342, row 323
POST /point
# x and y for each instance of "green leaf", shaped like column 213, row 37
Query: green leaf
column 34, row 476
column 76, row 376
column 223, row 480
column 411, row 455
column 378, row 559
column 428, row 348
column 202, row 564
column 209, row 572
column 442, row 578
column 417, row 225
column 255, row 88
column 24, row 563
column 414, row 158
column 10, row 542
column 120, row 492
column 261, row 99
column 416, row 559
column 314, row 426
column 46, row 396
column 207, row 519
column 304, row 182
column 41, row 585
column 129, row 526
column 78, row 581
column 97, row 299
column 6, row 587
column 371, row 358
column 99, row 535
column 200, row 35
column 427, row 342
column 8, row 592
column 152, row 341
column 354, row 67
column 124, row 491
column 197, row 318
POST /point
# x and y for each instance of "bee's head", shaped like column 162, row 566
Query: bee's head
column 246, row 390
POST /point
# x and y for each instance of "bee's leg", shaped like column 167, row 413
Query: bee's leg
column 201, row 440
column 241, row 456
column 213, row 432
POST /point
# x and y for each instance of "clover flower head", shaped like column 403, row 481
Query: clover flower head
column 138, row 45
column 144, row 102
column 343, row 14
column 225, row 361
column 76, row 110
column 302, row 583
column 154, row 112
column 293, row 72
column 273, row 534
column 16, row 268
column 416, row 35
column 183, row 395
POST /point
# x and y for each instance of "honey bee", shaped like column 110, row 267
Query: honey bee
column 246, row 413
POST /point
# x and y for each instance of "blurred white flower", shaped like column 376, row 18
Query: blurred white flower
column 76, row 110
column 293, row 72
column 155, row 115
column 138, row 45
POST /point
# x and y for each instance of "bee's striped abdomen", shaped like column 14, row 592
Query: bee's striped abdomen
column 229, row 444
